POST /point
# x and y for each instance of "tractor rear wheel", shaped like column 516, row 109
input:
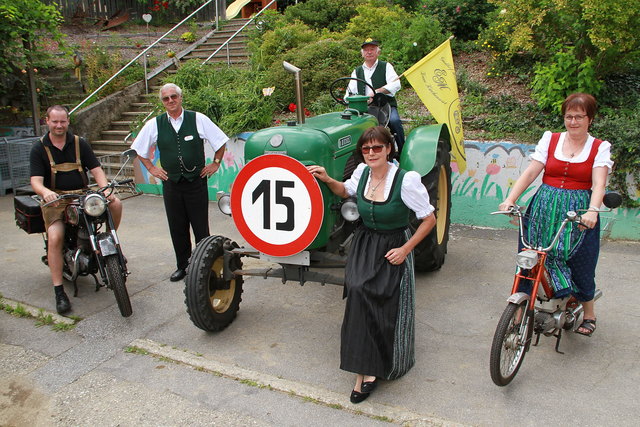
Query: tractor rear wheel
column 430, row 253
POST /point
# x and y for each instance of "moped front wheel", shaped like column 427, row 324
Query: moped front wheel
column 510, row 343
column 115, row 277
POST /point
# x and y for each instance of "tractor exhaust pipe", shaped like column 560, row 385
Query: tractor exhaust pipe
column 299, row 97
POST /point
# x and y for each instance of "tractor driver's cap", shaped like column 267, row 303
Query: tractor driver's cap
column 370, row 41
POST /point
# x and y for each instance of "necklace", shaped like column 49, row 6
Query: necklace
column 375, row 187
column 573, row 150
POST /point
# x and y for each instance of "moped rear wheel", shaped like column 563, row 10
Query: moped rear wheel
column 212, row 302
column 117, row 285
column 510, row 343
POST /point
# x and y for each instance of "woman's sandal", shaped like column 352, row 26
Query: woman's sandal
column 589, row 325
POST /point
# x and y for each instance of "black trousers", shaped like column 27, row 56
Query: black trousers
column 187, row 205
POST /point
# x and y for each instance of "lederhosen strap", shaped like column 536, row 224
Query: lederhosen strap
column 65, row 167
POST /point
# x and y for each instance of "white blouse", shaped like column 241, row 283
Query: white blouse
column 603, row 156
column 413, row 193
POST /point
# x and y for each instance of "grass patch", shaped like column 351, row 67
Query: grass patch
column 40, row 318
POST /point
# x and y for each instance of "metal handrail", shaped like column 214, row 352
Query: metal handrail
column 139, row 55
column 226, row 43
column 152, row 112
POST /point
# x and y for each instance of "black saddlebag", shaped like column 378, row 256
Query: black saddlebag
column 28, row 214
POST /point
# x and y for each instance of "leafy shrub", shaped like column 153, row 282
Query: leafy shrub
column 402, row 45
column 230, row 97
column 188, row 37
column 320, row 14
column 321, row 62
column 276, row 42
column 565, row 74
column 463, row 18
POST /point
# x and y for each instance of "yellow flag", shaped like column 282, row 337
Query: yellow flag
column 434, row 80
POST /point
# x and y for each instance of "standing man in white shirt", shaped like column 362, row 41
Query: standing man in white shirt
column 180, row 135
column 384, row 79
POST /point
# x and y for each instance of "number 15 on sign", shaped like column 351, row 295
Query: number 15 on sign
column 280, row 205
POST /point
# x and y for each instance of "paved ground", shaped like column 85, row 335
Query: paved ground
column 277, row 364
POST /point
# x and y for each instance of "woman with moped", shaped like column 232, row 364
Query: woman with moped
column 377, row 339
column 575, row 167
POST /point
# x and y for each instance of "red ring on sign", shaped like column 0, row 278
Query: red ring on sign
column 313, row 189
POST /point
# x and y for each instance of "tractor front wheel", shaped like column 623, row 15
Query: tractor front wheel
column 212, row 302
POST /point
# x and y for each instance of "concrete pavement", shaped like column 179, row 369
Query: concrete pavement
column 277, row 363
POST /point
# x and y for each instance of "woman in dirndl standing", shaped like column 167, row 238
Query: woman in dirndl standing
column 575, row 167
column 377, row 339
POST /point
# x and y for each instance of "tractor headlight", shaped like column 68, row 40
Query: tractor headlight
column 224, row 203
column 349, row 210
column 527, row 259
column 95, row 204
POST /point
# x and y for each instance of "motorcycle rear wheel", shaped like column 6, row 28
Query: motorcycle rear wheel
column 116, row 282
column 510, row 343
column 211, row 308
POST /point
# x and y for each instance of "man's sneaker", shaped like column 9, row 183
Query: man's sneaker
column 62, row 303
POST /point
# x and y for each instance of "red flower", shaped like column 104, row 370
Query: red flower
column 457, row 9
column 307, row 112
column 292, row 107
column 165, row 4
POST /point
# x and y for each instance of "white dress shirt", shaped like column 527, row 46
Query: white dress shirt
column 393, row 83
column 207, row 130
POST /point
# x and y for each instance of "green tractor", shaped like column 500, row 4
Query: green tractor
column 290, row 219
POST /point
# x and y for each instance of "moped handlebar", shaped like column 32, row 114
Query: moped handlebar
column 570, row 216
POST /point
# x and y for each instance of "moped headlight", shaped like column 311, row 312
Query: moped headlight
column 349, row 210
column 527, row 259
column 224, row 203
column 95, row 204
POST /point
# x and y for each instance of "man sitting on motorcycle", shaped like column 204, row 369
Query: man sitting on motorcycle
column 59, row 162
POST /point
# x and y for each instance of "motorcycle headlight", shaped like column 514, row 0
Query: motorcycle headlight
column 224, row 204
column 349, row 210
column 95, row 204
column 527, row 259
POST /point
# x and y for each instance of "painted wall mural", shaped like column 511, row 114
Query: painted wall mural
column 492, row 169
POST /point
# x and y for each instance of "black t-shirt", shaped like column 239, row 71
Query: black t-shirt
column 71, row 180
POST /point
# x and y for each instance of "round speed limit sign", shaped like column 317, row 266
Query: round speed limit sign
column 277, row 205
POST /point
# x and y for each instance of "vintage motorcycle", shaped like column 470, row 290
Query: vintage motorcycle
column 91, row 244
column 542, row 314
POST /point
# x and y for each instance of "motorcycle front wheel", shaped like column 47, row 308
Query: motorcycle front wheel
column 510, row 343
column 116, row 282
column 212, row 303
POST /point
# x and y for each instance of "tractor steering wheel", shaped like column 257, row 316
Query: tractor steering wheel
column 379, row 106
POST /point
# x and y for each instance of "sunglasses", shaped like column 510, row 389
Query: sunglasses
column 376, row 148
column 173, row 96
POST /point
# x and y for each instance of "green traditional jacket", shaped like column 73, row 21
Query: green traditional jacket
column 378, row 79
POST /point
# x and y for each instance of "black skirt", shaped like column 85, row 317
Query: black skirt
column 378, row 327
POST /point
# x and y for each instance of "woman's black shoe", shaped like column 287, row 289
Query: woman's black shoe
column 369, row 386
column 357, row 397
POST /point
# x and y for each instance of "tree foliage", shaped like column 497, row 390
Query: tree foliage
column 26, row 21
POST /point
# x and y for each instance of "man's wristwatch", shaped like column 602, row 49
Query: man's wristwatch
column 216, row 161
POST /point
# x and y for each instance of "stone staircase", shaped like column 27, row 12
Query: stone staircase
column 237, row 48
column 112, row 141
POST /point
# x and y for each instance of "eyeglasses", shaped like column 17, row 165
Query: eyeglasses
column 375, row 148
column 578, row 117
column 173, row 96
